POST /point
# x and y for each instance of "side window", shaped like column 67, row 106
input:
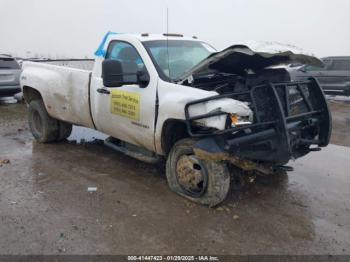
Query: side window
column 327, row 64
column 128, row 56
column 310, row 68
column 325, row 67
column 341, row 65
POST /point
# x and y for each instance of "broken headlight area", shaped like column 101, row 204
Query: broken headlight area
column 223, row 121
column 237, row 120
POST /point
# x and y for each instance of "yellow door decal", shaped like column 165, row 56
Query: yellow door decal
column 125, row 104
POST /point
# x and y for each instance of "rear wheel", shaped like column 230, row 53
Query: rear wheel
column 204, row 182
column 44, row 128
column 64, row 129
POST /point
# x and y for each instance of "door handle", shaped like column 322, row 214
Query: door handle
column 103, row 91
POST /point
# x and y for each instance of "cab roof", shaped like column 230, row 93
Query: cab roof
column 100, row 52
column 151, row 37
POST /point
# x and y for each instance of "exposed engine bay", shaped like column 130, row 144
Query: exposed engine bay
column 224, row 83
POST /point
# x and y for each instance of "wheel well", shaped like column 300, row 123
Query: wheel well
column 173, row 131
column 30, row 94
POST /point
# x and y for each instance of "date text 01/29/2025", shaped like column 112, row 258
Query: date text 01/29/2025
column 173, row 258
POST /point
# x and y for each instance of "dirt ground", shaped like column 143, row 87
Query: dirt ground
column 45, row 206
column 341, row 122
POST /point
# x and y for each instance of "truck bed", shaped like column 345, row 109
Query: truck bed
column 84, row 64
column 65, row 89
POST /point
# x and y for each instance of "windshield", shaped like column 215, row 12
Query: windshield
column 173, row 58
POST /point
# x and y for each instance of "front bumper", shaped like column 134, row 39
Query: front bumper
column 285, row 126
column 9, row 90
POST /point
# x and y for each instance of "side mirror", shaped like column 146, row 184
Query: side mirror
column 303, row 69
column 112, row 73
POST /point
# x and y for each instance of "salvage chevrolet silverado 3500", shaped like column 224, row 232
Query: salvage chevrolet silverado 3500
column 211, row 115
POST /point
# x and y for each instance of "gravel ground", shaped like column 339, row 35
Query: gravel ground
column 45, row 206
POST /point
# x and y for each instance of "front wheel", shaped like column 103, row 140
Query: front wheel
column 204, row 182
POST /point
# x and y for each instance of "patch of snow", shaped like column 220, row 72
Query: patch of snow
column 274, row 47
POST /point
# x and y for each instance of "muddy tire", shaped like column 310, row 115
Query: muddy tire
column 64, row 130
column 239, row 179
column 43, row 127
column 204, row 182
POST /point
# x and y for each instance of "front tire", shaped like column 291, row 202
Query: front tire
column 204, row 182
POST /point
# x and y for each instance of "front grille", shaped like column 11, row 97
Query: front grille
column 273, row 104
column 293, row 104
column 296, row 101
column 265, row 104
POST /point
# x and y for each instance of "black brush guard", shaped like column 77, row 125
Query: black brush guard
column 288, row 119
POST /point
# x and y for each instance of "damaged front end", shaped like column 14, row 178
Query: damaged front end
column 287, row 119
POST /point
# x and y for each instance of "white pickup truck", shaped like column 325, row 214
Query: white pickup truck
column 211, row 115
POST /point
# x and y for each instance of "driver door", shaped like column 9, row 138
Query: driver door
column 126, row 112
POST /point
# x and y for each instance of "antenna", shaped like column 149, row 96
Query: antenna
column 167, row 37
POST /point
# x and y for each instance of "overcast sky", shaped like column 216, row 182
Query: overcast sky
column 75, row 27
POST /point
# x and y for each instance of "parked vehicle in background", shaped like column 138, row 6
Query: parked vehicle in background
column 334, row 76
column 10, row 72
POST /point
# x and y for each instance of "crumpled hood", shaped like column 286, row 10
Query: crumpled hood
column 237, row 59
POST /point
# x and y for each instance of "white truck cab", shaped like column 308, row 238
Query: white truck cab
column 174, row 97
